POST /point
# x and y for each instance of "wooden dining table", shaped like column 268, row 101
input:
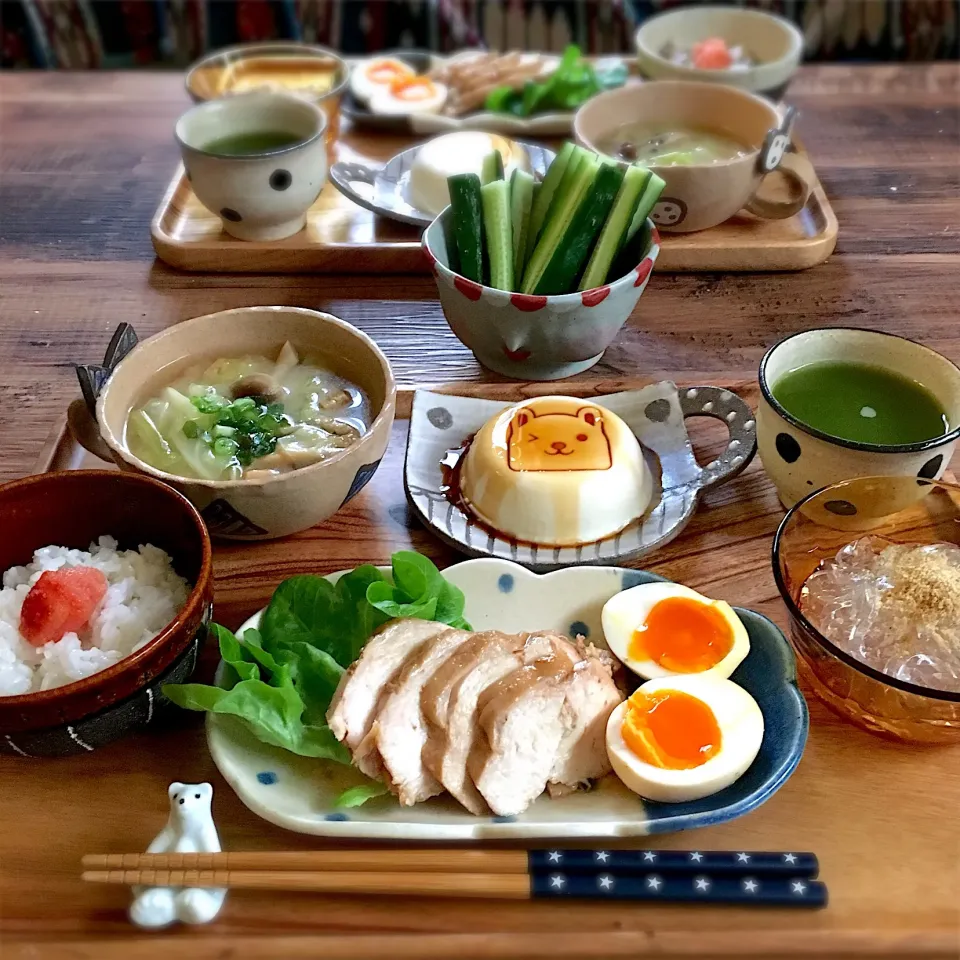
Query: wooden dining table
column 84, row 160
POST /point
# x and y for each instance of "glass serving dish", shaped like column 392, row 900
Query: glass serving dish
column 313, row 72
column 901, row 509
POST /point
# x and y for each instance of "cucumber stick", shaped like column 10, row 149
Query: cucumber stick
column 492, row 168
column 567, row 260
column 467, row 215
column 498, row 232
column 562, row 213
column 522, row 189
column 614, row 233
column 638, row 235
column 648, row 200
column 545, row 194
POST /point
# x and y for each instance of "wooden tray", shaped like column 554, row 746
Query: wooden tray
column 341, row 237
column 849, row 790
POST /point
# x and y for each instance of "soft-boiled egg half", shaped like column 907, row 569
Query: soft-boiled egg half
column 454, row 153
column 665, row 630
column 678, row 739
column 375, row 74
column 407, row 95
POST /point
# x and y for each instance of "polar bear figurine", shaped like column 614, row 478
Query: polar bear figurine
column 189, row 829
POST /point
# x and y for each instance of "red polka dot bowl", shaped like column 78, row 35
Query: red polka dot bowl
column 535, row 337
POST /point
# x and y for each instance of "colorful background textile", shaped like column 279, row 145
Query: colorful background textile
column 79, row 34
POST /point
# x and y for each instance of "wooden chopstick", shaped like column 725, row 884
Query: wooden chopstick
column 387, row 861
column 650, row 887
column 512, row 862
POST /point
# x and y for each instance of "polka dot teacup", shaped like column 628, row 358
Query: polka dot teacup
column 800, row 458
column 264, row 192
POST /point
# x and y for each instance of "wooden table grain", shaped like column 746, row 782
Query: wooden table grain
column 84, row 159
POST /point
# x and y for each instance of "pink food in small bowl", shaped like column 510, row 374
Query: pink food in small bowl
column 530, row 337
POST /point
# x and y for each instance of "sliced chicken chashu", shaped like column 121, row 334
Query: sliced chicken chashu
column 520, row 727
column 591, row 695
column 359, row 692
column 399, row 728
column 449, row 704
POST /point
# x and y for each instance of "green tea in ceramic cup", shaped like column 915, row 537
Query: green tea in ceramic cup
column 842, row 403
column 860, row 402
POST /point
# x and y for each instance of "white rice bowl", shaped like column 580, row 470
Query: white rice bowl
column 144, row 594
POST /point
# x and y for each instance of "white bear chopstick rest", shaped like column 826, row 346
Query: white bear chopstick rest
column 190, row 829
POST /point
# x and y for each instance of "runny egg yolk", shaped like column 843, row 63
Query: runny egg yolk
column 670, row 729
column 413, row 89
column 682, row 635
column 387, row 72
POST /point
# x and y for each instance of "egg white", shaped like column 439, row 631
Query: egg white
column 383, row 102
column 626, row 611
column 741, row 733
column 362, row 87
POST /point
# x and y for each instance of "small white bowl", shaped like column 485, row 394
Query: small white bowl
column 259, row 196
column 776, row 43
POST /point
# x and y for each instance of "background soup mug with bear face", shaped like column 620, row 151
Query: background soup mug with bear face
column 263, row 194
column 702, row 195
column 800, row 458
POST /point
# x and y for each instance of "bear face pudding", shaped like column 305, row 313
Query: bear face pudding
column 556, row 471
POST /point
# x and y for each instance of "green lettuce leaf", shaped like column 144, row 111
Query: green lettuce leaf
column 272, row 713
column 359, row 795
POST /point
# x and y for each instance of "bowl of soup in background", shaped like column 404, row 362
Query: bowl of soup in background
column 266, row 506
column 774, row 45
column 747, row 135
column 257, row 160
column 842, row 403
column 305, row 70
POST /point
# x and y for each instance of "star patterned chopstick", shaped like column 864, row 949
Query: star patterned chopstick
column 712, row 862
column 682, row 888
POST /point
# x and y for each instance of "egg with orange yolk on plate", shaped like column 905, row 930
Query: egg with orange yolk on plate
column 678, row 739
column 371, row 76
column 407, row 95
column 666, row 629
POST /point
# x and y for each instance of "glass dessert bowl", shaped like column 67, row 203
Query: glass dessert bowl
column 869, row 570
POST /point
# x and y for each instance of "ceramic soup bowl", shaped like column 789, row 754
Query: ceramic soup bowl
column 775, row 45
column 534, row 337
column 263, row 195
column 701, row 195
column 800, row 458
column 74, row 509
column 251, row 509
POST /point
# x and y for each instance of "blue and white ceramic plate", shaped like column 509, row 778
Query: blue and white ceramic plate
column 300, row 794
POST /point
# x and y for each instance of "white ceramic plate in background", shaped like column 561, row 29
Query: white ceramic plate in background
column 385, row 190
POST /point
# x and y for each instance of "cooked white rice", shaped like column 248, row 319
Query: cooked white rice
column 143, row 595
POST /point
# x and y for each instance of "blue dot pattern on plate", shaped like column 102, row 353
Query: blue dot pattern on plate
column 509, row 819
column 337, row 817
column 579, row 629
column 267, row 778
column 505, row 583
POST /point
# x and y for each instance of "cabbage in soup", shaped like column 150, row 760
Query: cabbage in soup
column 669, row 146
column 244, row 418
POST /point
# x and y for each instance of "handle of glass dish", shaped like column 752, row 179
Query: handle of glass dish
column 736, row 415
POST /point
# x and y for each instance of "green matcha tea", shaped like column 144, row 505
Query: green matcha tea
column 861, row 403
column 256, row 141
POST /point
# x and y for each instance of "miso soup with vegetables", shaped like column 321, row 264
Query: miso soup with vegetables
column 247, row 418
